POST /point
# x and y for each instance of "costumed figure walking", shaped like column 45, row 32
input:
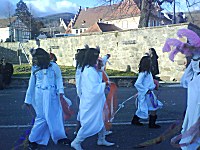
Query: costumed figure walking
column 147, row 103
column 110, row 106
column 154, row 62
column 92, row 100
column 190, row 134
column 79, row 58
column 45, row 94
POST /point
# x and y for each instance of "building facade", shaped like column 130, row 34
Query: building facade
column 125, row 16
column 13, row 29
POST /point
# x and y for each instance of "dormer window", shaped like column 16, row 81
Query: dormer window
column 100, row 20
column 83, row 22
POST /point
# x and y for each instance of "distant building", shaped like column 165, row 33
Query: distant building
column 59, row 28
column 41, row 36
column 13, row 29
column 125, row 15
column 181, row 18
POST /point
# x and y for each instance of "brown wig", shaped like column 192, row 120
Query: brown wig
column 91, row 56
column 153, row 53
column 145, row 64
column 79, row 57
column 40, row 58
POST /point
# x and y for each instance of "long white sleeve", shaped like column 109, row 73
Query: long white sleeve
column 59, row 80
column 139, row 83
column 187, row 76
column 31, row 89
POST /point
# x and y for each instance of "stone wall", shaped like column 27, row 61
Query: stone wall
column 126, row 48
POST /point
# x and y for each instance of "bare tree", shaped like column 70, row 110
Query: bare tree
column 145, row 6
column 191, row 3
column 8, row 9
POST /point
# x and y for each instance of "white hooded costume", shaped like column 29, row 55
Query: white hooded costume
column 43, row 92
column 191, row 81
column 92, row 101
column 143, row 84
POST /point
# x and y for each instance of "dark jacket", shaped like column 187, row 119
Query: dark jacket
column 154, row 66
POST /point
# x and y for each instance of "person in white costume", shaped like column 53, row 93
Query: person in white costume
column 111, row 100
column 43, row 93
column 79, row 57
column 105, row 60
column 147, row 101
column 92, row 99
column 191, row 81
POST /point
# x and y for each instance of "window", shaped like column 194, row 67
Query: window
column 149, row 23
column 159, row 14
column 125, row 24
column 154, row 22
column 157, row 23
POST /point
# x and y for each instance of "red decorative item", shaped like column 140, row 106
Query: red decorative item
column 67, row 111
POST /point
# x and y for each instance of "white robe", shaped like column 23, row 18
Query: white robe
column 43, row 94
column 144, row 83
column 78, row 87
column 104, row 61
column 191, row 81
column 78, row 78
column 92, row 101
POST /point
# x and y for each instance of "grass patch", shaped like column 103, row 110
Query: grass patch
column 25, row 71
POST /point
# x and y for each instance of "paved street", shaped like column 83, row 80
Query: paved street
column 14, row 121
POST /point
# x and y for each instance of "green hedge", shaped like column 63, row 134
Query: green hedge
column 24, row 70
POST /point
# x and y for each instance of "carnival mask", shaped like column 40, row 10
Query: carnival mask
column 196, row 64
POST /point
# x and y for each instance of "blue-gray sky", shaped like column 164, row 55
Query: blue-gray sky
column 47, row 7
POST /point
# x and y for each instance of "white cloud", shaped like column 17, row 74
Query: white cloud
column 52, row 6
column 41, row 7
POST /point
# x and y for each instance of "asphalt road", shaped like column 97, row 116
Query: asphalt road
column 14, row 121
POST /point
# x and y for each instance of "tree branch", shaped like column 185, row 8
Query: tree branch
column 194, row 3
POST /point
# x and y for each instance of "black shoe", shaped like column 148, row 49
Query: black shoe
column 65, row 141
column 32, row 146
column 152, row 120
column 135, row 121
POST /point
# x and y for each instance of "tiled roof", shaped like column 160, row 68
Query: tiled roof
column 6, row 22
column 102, row 27
column 89, row 16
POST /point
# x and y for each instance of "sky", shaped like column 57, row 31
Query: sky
column 47, row 7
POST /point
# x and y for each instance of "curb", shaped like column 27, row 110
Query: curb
column 120, row 81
